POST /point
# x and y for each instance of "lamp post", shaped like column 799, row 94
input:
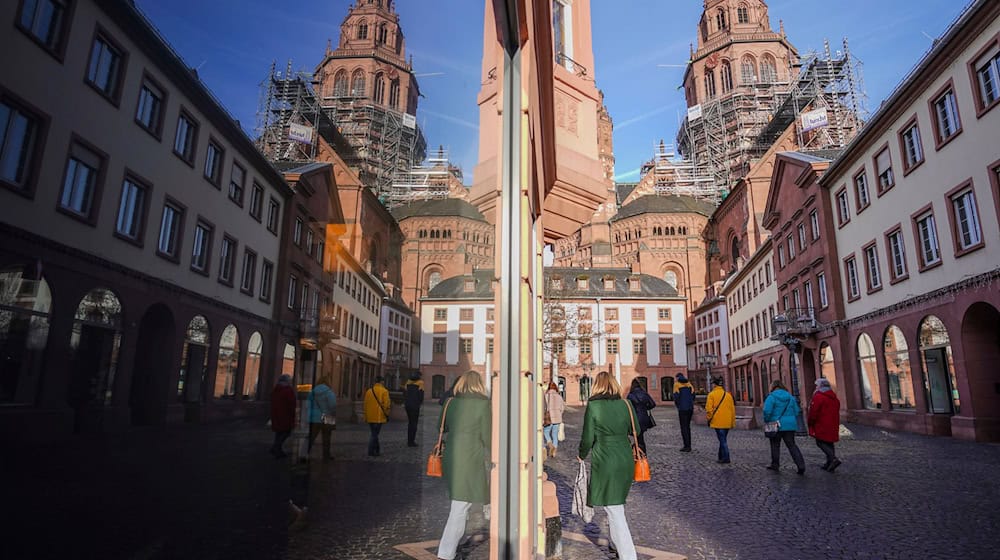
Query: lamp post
column 780, row 327
column 707, row 361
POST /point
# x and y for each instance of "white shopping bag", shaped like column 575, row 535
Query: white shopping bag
column 580, row 506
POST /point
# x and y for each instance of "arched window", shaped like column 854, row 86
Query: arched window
column 720, row 19
column 96, row 337
column 742, row 14
column 251, row 370
column 24, row 333
column 394, row 94
column 734, row 252
column 288, row 360
column 358, row 83
column 670, row 277
column 768, row 70
column 383, row 34
column 194, row 360
column 229, row 359
column 363, row 30
column 826, row 370
column 340, row 84
column 868, row 372
column 748, row 71
column 897, row 369
column 709, row 84
column 727, row 76
column 379, row 88
column 433, row 279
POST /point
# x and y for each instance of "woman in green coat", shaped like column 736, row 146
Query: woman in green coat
column 466, row 418
column 607, row 424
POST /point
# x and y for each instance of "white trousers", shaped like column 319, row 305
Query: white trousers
column 454, row 529
column 620, row 534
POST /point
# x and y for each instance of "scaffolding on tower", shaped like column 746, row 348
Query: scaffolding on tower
column 434, row 178
column 675, row 175
column 375, row 140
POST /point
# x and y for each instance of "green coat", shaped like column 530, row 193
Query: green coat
column 606, row 427
column 466, row 449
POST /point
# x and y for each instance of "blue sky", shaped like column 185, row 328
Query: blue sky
column 233, row 42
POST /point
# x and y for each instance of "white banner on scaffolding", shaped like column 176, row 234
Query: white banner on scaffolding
column 694, row 113
column 300, row 133
column 814, row 119
column 409, row 121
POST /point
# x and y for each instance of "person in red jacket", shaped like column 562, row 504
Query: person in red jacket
column 282, row 414
column 824, row 422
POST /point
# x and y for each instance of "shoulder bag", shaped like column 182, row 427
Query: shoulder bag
column 434, row 461
column 641, row 462
column 771, row 428
column 379, row 403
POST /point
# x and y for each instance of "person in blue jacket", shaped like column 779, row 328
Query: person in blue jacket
column 684, row 403
column 781, row 407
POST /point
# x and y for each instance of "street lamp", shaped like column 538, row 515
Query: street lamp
column 780, row 327
column 707, row 361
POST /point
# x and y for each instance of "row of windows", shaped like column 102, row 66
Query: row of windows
column 966, row 231
column 358, row 87
column 754, row 285
column 804, row 295
column 312, row 243
column 752, row 330
column 356, row 288
column 748, row 74
column 706, row 320
column 654, row 231
column 22, row 137
column 440, row 344
column 788, row 246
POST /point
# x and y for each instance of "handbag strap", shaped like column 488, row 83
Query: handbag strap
column 784, row 411
column 379, row 403
column 441, row 430
column 637, row 452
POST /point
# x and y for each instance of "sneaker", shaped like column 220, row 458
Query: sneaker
column 772, row 467
column 801, row 471
column 825, row 466
column 686, row 449
column 723, row 461
column 833, row 465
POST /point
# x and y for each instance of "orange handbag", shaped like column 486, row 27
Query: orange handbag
column 641, row 462
column 434, row 460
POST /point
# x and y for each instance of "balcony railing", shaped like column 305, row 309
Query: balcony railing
column 801, row 320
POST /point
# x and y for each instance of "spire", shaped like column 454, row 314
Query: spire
column 781, row 27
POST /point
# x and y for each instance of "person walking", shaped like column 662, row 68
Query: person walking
column 465, row 419
column 377, row 407
column 643, row 404
column 322, row 414
column 824, row 422
column 413, row 397
column 684, row 403
column 779, row 406
column 554, row 407
column 282, row 414
column 720, row 409
column 607, row 424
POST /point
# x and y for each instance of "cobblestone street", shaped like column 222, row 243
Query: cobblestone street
column 897, row 495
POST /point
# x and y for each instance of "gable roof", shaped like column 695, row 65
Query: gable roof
column 664, row 204
column 438, row 207
column 804, row 163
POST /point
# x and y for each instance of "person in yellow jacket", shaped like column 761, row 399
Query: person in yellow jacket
column 377, row 407
column 720, row 408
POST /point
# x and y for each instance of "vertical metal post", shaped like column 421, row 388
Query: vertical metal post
column 513, row 245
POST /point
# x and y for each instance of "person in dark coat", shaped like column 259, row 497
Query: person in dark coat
column 413, row 394
column 607, row 424
column 684, row 403
column 824, row 422
column 466, row 423
column 780, row 406
column 642, row 403
column 282, row 414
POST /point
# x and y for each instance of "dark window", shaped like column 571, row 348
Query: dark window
column 171, row 223
column 149, row 112
column 107, row 65
column 256, row 201
column 249, row 271
column 227, row 260
column 186, row 138
column 80, row 184
column 45, row 21
column 236, row 182
column 273, row 208
column 201, row 248
column 266, row 276
column 131, row 209
column 18, row 138
column 213, row 163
